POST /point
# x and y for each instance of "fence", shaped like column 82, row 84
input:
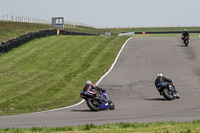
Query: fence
column 24, row 19
column 68, row 24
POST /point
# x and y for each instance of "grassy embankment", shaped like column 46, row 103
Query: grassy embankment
column 9, row 30
column 154, row 127
column 50, row 72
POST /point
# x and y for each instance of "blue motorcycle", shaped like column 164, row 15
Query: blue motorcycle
column 96, row 101
column 168, row 91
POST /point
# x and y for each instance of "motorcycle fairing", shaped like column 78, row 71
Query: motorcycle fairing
column 104, row 105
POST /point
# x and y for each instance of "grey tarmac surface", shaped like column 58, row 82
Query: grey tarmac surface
column 130, row 86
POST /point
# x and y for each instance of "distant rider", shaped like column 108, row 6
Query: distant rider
column 91, row 87
column 161, row 79
column 185, row 34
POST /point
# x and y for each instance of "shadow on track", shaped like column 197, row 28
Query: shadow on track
column 78, row 110
column 155, row 99
column 181, row 46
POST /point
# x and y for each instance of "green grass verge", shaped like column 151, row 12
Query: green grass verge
column 50, row 72
column 153, row 127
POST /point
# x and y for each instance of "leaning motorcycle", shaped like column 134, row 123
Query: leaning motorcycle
column 168, row 91
column 96, row 104
column 186, row 40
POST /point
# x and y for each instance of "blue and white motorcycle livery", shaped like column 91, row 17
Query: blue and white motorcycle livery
column 168, row 91
column 96, row 103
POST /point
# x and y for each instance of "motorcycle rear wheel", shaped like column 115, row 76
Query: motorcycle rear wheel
column 186, row 43
column 167, row 94
column 93, row 104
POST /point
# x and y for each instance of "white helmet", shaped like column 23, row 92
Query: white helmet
column 88, row 83
column 184, row 29
column 160, row 74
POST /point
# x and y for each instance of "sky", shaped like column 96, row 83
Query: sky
column 109, row 13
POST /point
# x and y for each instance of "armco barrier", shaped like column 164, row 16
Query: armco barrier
column 167, row 32
column 16, row 42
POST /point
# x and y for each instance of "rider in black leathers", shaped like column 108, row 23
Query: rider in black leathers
column 91, row 87
column 161, row 79
column 185, row 33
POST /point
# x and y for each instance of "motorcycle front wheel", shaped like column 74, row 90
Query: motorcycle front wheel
column 167, row 94
column 177, row 95
column 111, row 105
column 93, row 104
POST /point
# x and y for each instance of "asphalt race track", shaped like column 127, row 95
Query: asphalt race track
column 130, row 86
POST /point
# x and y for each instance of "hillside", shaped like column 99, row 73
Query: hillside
column 50, row 72
column 9, row 30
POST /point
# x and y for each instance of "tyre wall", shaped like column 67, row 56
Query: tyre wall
column 18, row 41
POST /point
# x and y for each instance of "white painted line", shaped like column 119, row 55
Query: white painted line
column 62, row 108
column 114, row 61
column 96, row 83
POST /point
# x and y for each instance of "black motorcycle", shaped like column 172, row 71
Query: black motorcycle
column 186, row 40
column 168, row 91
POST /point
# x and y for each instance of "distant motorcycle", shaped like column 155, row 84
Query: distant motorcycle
column 186, row 40
column 97, row 104
column 168, row 91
